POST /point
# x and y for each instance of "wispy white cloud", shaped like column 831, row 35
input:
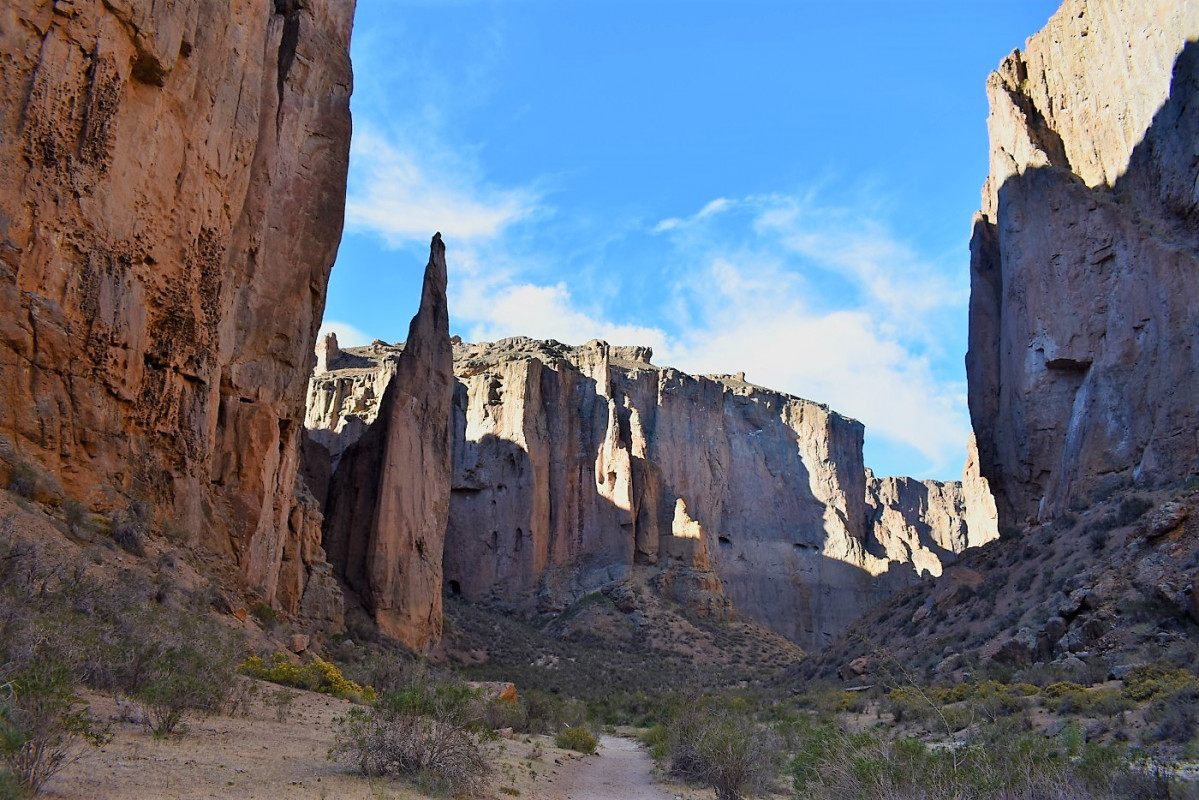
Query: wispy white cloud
column 406, row 194
column 894, row 279
column 500, row 309
column 711, row 209
column 760, row 323
column 824, row 303
column 347, row 334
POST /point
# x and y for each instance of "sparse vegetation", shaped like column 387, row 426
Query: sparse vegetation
column 267, row 617
column 61, row 626
column 428, row 732
column 41, row 721
column 998, row 762
column 723, row 746
column 281, row 701
column 130, row 528
column 23, row 479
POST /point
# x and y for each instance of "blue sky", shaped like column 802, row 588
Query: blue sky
column 780, row 188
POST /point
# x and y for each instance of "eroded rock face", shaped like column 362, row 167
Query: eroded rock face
column 389, row 498
column 928, row 523
column 1085, row 261
column 576, row 467
column 172, row 184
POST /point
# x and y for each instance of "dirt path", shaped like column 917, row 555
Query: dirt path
column 621, row 769
column 256, row 757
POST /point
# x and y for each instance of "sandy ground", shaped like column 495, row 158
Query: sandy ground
column 256, row 756
column 621, row 769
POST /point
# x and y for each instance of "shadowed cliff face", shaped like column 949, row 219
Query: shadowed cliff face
column 578, row 468
column 1085, row 262
column 172, row 184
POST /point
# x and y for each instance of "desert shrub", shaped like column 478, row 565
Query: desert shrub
column 316, row 675
column 578, row 738
column 1132, row 509
column 637, row 708
column 657, row 741
column 42, row 719
column 908, row 704
column 1148, row 682
column 1065, row 697
column 724, row 748
column 75, row 514
column 281, row 700
column 267, row 617
column 997, row 700
column 999, row 763
column 23, row 479
column 428, row 735
column 112, row 637
column 1175, row 716
column 129, row 529
column 241, row 696
column 542, row 712
column 182, row 680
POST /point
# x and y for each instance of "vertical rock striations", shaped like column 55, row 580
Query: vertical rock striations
column 172, row 185
column 1084, row 305
column 389, row 497
column 575, row 468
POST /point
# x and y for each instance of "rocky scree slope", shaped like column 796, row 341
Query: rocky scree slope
column 574, row 466
column 172, row 185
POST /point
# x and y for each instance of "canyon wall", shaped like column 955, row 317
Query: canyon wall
column 1084, row 308
column 576, row 468
column 172, row 186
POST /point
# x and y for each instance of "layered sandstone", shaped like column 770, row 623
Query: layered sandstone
column 577, row 467
column 389, row 498
column 172, row 184
column 1085, row 259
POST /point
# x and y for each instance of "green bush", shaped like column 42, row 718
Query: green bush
column 267, row 617
column 41, row 721
column 542, row 712
column 129, row 528
column 182, row 681
column 577, row 738
column 724, row 748
column 657, row 740
column 281, row 700
column 998, row 762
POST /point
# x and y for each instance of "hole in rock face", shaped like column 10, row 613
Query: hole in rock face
column 1069, row 364
column 455, row 588
column 724, row 540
